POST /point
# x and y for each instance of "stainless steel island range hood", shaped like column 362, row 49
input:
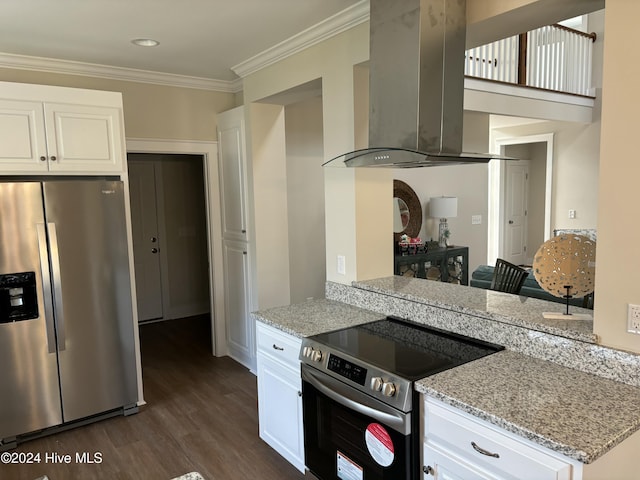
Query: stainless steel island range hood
column 416, row 84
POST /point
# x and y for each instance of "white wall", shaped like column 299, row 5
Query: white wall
column 575, row 169
column 617, row 252
column 305, row 199
column 150, row 111
column 357, row 213
column 469, row 184
column 268, row 172
column 617, row 194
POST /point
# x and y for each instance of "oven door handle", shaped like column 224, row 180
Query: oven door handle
column 351, row 398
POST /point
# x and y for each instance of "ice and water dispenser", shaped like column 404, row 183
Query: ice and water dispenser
column 18, row 299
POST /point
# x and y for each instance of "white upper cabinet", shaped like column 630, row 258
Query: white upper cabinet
column 22, row 137
column 233, row 174
column 57, row 130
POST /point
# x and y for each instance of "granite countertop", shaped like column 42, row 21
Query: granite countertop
column 576, row 414
column 315, row 316
column 500, row 307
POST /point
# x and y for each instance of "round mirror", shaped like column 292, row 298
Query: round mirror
column 409, row 211
column 401, row 215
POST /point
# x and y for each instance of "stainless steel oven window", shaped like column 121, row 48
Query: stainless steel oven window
column 336, row 420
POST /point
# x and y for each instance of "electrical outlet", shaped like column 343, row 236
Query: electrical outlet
column 476, row 219
column 342, row 270
column 572, row 213
column 633, row 319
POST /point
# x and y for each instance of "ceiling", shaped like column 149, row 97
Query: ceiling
column 198, row 38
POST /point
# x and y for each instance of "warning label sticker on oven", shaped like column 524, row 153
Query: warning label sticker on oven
column 379, row 444
column 348, row 469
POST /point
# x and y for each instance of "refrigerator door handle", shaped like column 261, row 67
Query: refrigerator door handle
column 57, row 285
column 46, row 285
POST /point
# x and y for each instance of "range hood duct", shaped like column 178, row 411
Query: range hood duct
column 416, row 82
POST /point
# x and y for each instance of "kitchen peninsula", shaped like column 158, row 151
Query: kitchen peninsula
column 553, row 388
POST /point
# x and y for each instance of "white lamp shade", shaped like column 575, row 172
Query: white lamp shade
column 443, row 207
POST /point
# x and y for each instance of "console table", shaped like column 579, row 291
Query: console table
column 449, row 264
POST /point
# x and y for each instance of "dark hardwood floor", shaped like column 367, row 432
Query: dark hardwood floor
column 201, row 415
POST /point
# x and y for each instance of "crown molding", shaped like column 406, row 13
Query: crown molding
column 68, row 67
column 338, row 23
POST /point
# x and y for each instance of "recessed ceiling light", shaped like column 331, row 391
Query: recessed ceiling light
column 145, row 42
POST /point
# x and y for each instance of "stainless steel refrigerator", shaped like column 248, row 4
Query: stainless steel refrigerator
column 66, row 328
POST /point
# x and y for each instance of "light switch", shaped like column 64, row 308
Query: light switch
column 476, row 219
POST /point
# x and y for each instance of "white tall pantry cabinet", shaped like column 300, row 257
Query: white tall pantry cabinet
column 236, row 237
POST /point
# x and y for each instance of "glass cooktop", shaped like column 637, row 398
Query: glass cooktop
column 406, row 349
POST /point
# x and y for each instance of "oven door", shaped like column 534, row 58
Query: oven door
column 349, row 435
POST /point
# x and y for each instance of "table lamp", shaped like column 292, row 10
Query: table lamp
column 443, row 208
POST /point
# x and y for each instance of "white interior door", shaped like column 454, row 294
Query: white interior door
column 144, row 219
column 515, row 219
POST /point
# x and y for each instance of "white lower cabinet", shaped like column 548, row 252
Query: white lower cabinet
column 280, row 393
column 240, row 328
column 458, row 446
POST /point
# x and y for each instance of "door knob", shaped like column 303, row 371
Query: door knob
column 154, row 250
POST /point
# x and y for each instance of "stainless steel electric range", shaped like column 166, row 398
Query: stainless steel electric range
column 360, row 410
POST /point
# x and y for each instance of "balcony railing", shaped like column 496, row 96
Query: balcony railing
column 553, row 58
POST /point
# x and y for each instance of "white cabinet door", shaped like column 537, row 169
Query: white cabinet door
column 83, row 138
column 279, row 393
column 38, row 134
column 280, row 409
column 240, row 327
column 233, row 173
column 443, row 466
column 458, row 441
column 22, row 136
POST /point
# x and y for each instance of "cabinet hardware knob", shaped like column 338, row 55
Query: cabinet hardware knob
column 43, row 158
column 154, row 239
column 510, row 222
column 244, row 253
column 244, row 231
column 299, row 393
column 53, row 158
column 275, row 347
column 428, row 470
column 154, row 250
column 483, row 451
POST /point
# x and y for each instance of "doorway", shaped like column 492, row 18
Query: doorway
column 516, row 203
column 169, row 229
column 208, row 151
column 520, row 192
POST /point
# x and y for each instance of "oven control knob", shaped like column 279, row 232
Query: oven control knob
column 388, row 389
column 376, row 384
column 316, row 355
column 306, row 352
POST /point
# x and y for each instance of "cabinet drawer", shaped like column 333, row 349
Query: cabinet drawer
column 490, row 448
column 278, row 345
